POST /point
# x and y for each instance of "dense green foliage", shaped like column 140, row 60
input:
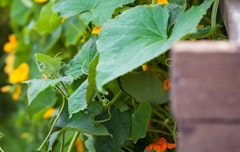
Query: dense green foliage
column 110, row 90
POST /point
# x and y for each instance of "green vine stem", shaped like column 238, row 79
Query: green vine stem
column 1, row 150
column 159, row 131
column 51, row 129
column 62, row 142
column 75, row 136
column 174, row 134
column 105, row 120
column 214, row 14
column 115, row 99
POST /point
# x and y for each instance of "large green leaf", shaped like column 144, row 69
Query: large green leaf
column 48, row 41
column 139, row 35
column 140, row 120
column 144, row 86
column 80, row 63
column 119, row 126
column 77, row 101
column 41, row 103
column 48, row 20
column 97, row 11
column 20, row 13
column 73, row 29
column 91, row 88
column 36, row 86
column 81, row 122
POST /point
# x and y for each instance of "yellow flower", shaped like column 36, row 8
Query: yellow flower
column 63, row 19
column 11, row 45
column 40, row 1
column 79, row 145
column 144, row 67
column 49, row 113
column 17, row 93
column 20, row 74
column 96, row 30
column 6, row 88
column 162, row 1
column 9, row 63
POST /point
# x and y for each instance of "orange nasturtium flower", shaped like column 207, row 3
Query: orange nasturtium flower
column 96, row 30
column 40, row 1
column 49, row 113
column 79, row 145
column 166, row 84
column 20, row 74
column 11, row 45
column 162, row 1
column 17, row 93
column 160, row 146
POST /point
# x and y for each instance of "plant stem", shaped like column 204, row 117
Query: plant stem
column 157, row 113
column 105, row 120
column 62, row 142
column 1, row 150
column 174, row 131
column 214, row 15
column 55, row 120
column 159, row 131
column 75, row 136
column 115, row 98
column 128, row 149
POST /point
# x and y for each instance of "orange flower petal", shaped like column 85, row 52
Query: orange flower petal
column 171, row 145
column 96, row 30
column 166, row 84
column 17, row 93
column 79, row 145
column 49, row 113
column 149, row 148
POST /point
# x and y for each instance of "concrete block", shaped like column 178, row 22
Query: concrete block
column 205, row 80
column 208, row 138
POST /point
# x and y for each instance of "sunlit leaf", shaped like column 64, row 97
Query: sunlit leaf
column 91, row 88
column 77, row 101
column 132, row 41
column 73, row 29
column 41, row 103
column 48, row 65
column 96, row 11
column 36, row 86
column 80, row 63
column 53, row 138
